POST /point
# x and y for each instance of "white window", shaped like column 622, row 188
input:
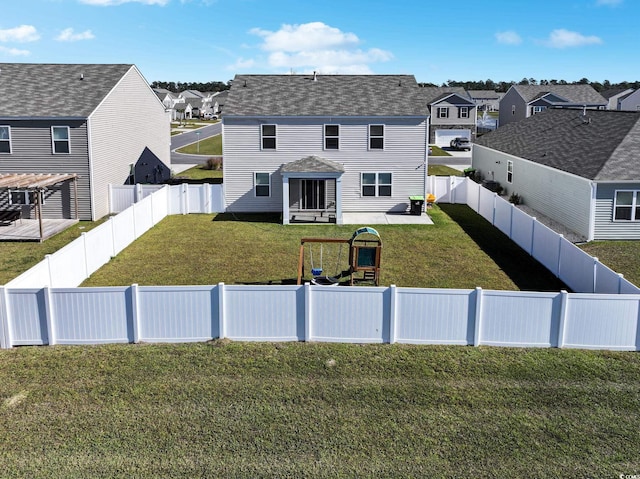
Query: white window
column 463, row 112
column 60, row 139
column 5, row 139
column 538, row 109
column 509, row 171
column 626, row 206
column 376, row 184
column 23, row 197
column 262, row 184
column 331, row 137
column 513, row 109
column 443, row 112
column 268, row 137
column 376, row 137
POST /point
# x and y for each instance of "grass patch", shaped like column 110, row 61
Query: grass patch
column 620, row 256
column 17, row 257
column 208, row 146
column 200, row 173
column 443, row 170
column 226, row 409
column 258, row 249
column 437, row 151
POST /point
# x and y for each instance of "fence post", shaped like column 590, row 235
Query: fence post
column 307, row 312
column 511, row 221
column 47, row 258
column 393, row 314
column 620, row 278
column 184, row 199
column 50, row 317
column 139, row 193
column 564, row 298
column 113, row 238
column 533, row 234
column 135, row 313
column 86, row 255
column 478, row 317
column 207, row 198
column 559, row 265
column 6, row 341
column 221, row 312
column 595, row 274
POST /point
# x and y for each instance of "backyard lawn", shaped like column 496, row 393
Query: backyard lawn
column 461, row 250
column 234, row 410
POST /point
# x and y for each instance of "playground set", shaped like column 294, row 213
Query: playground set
column 364, row 250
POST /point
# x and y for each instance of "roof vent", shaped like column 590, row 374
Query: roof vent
column 586, row 120
column 245, row 84
column 315, row 76
column 81, row 76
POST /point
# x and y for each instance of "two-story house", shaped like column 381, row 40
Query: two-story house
column 317, row 146
column 523, row 101
column 103, row 125
column 453, row 114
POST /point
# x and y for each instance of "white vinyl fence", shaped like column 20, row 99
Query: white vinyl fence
column 578, row 270
column 316, row 313
column 184, row 198
column 43, row 306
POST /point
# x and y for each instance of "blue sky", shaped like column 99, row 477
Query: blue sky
column 212, row 40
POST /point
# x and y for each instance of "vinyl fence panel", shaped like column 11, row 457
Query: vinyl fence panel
column 434, row 316
column 522, row 229
column 576, row 267
column 598, row 321
column 486, row 204
column 502, row 215
column 607, row 280
column 546, row 247
column 27, row 317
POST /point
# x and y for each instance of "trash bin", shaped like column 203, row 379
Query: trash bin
column 416, row 205
column 469, row 172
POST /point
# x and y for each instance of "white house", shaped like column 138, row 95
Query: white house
column 316, row 146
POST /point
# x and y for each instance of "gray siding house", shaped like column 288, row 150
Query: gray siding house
column 316, row 146
column 630, row 102
column 581, row 170
column 94, row 121
column 453, row 114
column 523, row 101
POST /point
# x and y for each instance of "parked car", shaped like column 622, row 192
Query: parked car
column 460, row 143
column 210, row 116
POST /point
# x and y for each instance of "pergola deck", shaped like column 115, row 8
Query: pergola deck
column 29, row 230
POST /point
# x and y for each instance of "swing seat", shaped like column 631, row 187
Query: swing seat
column 316, row 271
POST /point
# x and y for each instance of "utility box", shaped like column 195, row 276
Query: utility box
column 416, row 205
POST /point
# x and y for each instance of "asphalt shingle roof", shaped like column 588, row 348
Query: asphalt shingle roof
column 329, row 95
column 55, row 90
column 604, row 145
column 578, row 94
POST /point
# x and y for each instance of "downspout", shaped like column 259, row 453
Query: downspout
column 90, row 169
column 426, row 159
column 592, row 211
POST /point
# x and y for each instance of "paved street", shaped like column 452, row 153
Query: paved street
column 459, row 160
column 178, row 160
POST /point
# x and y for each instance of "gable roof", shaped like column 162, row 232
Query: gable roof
column 56, row 90
column 604, row 145
column 624, row 92
column 577, row 94
column 326, row 95
column 434, row 93
column 484, row 94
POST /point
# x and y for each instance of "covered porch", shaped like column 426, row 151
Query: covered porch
column 24, row 192
column 312, row 191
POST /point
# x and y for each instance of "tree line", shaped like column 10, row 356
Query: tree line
column 177, row 87
column 503, row 86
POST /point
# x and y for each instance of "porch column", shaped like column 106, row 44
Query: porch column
column 339, row 200
column 285, row 199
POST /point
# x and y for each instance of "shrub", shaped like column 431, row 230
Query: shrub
column 213, row 164
column 515, row 198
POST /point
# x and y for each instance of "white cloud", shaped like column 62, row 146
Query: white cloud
column 68, row 35
column 109, row 3
column 317, row 46
column 23, row 33
column 562, row 38
column 14, row 52
column 508, row 38
column 242, row 64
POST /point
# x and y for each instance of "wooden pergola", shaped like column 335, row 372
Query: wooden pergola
column 38, row 182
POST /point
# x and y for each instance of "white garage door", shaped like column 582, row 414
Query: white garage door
column 444, row 137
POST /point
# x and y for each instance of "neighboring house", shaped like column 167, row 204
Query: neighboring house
column 316, row 146
column 582, row 171
column 614, row 95
column 631, row 102
column 486, row 100
column 523, row 101
column 167, row 98
column 217, row 101
column 453, row 114
column 101, row 121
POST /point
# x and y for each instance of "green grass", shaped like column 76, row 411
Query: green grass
column 17, row 257
column 225, row 409
column 442, row 170
column 437, row 151
column 620, row 256
column 461, row 250
column 199, row 173
column 208, row 146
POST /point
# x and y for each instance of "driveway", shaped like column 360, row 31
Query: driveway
column 459, row 160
